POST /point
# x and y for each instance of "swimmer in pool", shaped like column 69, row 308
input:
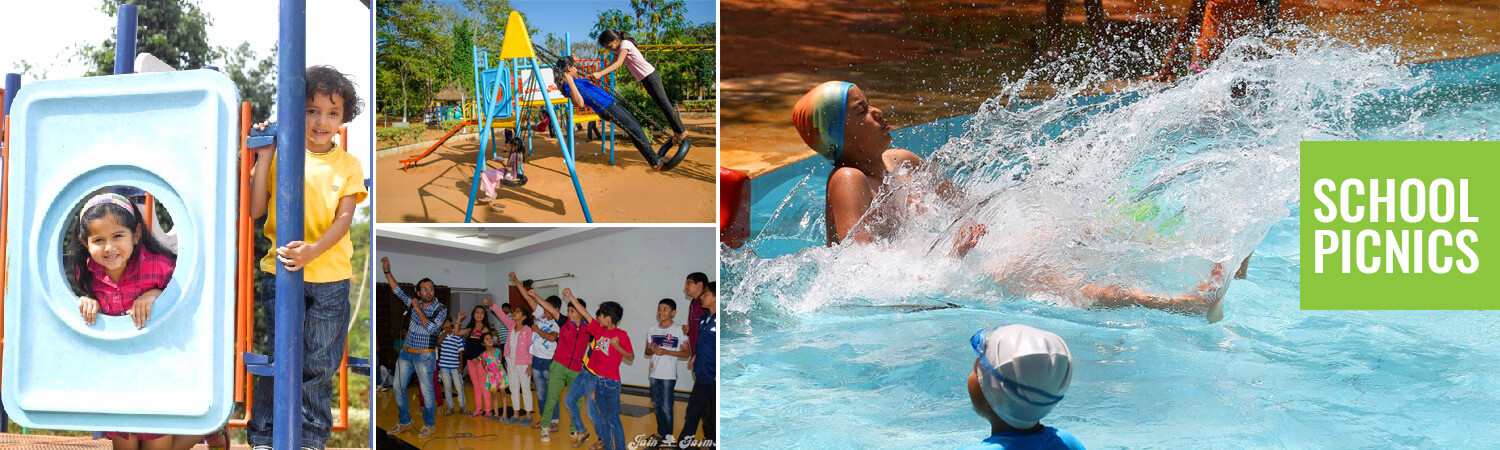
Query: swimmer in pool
column 837, row 121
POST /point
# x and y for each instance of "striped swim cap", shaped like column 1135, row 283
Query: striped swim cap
column 819, row 117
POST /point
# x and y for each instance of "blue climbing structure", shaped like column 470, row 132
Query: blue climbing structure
column 189, row 125
column 498, row 99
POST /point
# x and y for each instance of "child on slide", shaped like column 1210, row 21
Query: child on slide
column 586, row 93
column 628, row 55
column 838, row 121
column 119, row 269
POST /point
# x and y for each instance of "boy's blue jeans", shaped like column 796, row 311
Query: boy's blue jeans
column 323, row 334
column 583, row 385
column 541, row 370
column 606, row 413
column 661, row 401
column 423, row 364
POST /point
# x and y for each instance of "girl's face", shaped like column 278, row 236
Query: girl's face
column 479, row 315
column 489, row 340
column 325, row 113
column 110, row 243
column 517, row 315
column 613, row 46
column 866, row 133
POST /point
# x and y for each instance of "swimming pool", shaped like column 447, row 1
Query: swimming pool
column 841, row 348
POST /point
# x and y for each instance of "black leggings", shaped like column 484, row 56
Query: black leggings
column 658, row 92
column 617, row 114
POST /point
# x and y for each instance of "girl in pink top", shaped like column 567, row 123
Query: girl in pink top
column 517, row 360
column 628, row 55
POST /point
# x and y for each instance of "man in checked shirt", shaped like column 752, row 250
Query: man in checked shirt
column 420, row 352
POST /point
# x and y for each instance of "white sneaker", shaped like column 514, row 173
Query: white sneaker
column 546, row 436
column 261, row 447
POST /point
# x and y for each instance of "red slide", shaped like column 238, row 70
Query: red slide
column 734, row 207
column 408, row 162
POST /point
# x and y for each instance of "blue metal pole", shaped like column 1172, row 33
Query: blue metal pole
column 481, row 109
column 611, row 124
column 125, row 21
column 567, row 51
column 536, row 73
column 291, row 140
column 12, row 86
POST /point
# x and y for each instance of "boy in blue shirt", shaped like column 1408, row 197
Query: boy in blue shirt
column 586, row 93
column 701, row 403
column 1020, row 374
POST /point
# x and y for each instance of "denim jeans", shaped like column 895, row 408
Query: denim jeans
column 323, row 332
column 423, row 364
column 606, row 413
column 661, row 401
column 453, row 383
column 582, row 386
column 541, row 371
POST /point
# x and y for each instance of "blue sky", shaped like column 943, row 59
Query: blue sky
column 578, row 16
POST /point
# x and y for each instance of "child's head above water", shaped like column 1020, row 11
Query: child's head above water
column 109, row 233
column 1020, row 375
column 838, row 121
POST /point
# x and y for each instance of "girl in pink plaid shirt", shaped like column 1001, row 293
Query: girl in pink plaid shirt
column 119, row 269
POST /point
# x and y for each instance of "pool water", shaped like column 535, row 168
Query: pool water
column 843, row 347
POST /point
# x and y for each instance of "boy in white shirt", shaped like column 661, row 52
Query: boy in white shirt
column 666, row 343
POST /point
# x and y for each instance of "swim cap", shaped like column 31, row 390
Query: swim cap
column 819, row 117
column 1023, row 372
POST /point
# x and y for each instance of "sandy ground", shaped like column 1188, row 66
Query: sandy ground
column 436, row 190
column 922, row 60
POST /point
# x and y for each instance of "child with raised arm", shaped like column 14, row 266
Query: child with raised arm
column 567, row 363
column 545, row 332
column 517, row 350
column 333, row 185
column 611, row 346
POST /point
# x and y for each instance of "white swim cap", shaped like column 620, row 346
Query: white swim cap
column 1023, row 372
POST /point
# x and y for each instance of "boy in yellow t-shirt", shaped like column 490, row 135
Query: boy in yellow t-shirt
column 333, row 185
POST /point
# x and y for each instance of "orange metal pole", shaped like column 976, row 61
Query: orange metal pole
column 4, row 219
column 244, row 287
column 343, row 423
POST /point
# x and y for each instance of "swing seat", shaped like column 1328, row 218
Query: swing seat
column 518, row 182
column 682, row 151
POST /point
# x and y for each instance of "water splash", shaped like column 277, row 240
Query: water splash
column 1148, row 187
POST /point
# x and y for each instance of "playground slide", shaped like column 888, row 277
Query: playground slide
column 408, row 162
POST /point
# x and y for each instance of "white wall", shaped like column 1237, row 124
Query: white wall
column 636, row 268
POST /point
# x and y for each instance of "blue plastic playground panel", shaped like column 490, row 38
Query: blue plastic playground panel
column 495, row 82
column 172, row 135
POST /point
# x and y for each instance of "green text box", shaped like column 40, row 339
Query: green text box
column 1478, row 162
